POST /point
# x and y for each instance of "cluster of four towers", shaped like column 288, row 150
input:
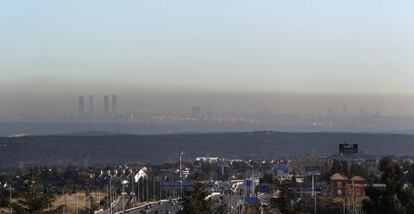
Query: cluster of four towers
column 107, row 112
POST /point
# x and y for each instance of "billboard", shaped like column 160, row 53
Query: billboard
column 312, row 170
column 348, row 148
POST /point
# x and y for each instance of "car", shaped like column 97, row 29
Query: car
column 167, row 212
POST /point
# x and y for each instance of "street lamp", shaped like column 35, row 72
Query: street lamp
column 313, row 170
column 181, row 177
column 124, row 182
column 110, row 194
column 10, row 203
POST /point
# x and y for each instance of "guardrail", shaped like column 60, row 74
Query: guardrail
column 142, row 206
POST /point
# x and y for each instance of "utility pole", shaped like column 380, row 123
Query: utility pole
column 181, row 177
column 107, row 198
column 123, row 198
column 110, row 194
column 77, row 203
column 64, row 201
column 10, row 202
column 88, row 197
column 48, row 202
column 160, row 188
column 138, row 189
column 313, row 170
column 353, row 196
column 147, row 189
column 313, row 193
column 132, row 185
column 153, row 189
column 99, row 198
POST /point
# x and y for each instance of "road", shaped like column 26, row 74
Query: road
column 119, row 205
column 158, row 208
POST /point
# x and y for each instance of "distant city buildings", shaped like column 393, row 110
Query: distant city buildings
column 91, row 110
column 106, row 105
column 107, row 111
column 114, row 105
column 81, row 105
column 195, row 111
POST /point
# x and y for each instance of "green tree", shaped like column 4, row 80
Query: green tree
column 196, row 202
column 284, row 203
column 394, row 199
column 32, row 199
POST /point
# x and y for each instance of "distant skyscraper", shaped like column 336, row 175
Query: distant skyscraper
column 114, row 105
column 91, row 110
column 81, row 105
column 208, row 113
column 196, row 111
column 106, row 105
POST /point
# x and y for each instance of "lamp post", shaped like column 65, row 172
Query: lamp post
column 313, row 170
column 313, row 193
column 124, row 182
column 77, row 203
column 110, row 194
column 181, row 177
column 10, row 202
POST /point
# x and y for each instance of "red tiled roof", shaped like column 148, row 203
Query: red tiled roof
column 357, row 178
column 338, row 177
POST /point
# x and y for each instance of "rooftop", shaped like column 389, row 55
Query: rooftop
column 338, row 177
column 357, row 178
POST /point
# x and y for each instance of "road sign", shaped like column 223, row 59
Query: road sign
column 247, row 183
column 266, row 188
column 348, row 148
column 312, row 170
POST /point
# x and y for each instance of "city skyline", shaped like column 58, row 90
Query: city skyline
column 180, row 102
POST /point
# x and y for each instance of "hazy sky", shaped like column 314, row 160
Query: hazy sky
column 308, row 46
column 275, row 45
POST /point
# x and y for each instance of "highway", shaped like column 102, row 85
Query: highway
column 165, row 207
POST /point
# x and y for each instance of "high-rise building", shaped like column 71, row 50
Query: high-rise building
column 196, row 111
column 106, row 105
column 114, row 105
column 91, row 110
column 81, row 103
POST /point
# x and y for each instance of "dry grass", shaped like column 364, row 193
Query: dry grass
column 80, row 199
column 70, row 201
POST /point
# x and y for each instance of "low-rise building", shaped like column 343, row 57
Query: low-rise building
column 341, row 186
column 338, row 185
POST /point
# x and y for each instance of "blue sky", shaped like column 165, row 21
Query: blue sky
column 302, row 46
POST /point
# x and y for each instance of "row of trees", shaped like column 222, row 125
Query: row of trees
column 396, row 198
column 32, row 196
